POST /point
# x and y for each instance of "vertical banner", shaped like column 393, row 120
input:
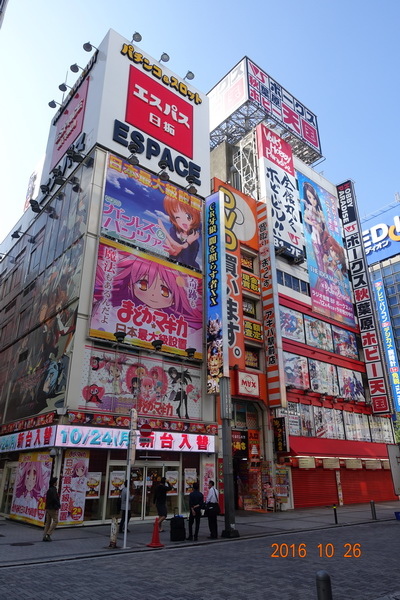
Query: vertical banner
column 326, row 258
column 31, row 484
column 388, row 341
column 278, row 184
column 74, row 487
column 270, row 304
column 363, row 297
column 217, row 348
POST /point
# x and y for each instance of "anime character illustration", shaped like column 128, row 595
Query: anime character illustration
column 93, row 394
column 151, row 299
column 182, row 240
column 314, row 220
column 78, row 488
column 30, row 487
column 292, row 324
column 181, row 387
column 296, row 371
column 334, row 261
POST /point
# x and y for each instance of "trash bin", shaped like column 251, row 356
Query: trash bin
column 397, row 515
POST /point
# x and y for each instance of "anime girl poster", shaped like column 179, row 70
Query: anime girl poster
column 318, row 333
column 351, row 385
column 74, row 486
column 152, row 214
column 148, row 298
column 296, row 370
column 326, row 259
column 291, row 324
column 345, row 342
column 323, row 378
column 31, row 485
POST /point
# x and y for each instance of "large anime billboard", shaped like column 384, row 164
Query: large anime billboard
column 326, row 258
column 152, row 214
column 148, row 298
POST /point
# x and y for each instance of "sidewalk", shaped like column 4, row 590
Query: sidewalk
column 22, row 544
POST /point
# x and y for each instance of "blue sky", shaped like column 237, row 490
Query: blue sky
column 338, row 57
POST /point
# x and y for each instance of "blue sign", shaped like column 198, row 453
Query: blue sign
column 381, row 239
column 388, row 342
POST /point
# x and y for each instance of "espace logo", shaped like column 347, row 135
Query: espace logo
column 160, row 113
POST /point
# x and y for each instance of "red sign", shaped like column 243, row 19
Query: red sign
column 145, row 430
column 159, row 112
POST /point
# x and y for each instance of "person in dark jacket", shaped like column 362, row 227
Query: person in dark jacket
column 52, row 508
column 196, row 500
column 160, row 500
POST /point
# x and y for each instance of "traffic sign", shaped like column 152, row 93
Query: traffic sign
column 145, row 430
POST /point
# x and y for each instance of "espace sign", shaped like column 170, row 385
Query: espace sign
column 157, row 111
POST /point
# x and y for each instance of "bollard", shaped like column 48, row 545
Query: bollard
column 335, row 514
column 324, row 590
column 113, row 533
column 373, row 510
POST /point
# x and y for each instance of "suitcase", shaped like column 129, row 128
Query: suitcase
column 178, row 529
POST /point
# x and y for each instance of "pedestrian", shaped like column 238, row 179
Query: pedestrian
column 160, row 500
column 52, row 508
column 196, row 500
column 212, row 510
column 123, row 505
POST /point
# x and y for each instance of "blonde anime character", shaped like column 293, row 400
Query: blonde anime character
column 182, row 240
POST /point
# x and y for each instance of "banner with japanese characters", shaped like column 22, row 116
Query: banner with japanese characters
column 278, row 184
column 31, row 484
column 363, row 298
column 147, row 298
column 141, row 209
column 74, row 487
column 115, row 381
column 326, row 257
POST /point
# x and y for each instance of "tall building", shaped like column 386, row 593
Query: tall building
column 101, row 298
column 300, row 319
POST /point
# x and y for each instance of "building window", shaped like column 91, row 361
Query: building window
column 252, row 357
column 294, row 283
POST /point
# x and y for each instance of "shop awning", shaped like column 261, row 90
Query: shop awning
column 303, row 446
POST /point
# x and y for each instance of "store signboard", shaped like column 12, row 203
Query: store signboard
column 363, row 299
column 281, row 437
column 247, row 83
column 389, row 343
column 30, row 439
column 373, row 465
column 331, row 463
column 75, row 436
column 248, row 384
column 278, row 184
column 381, row 239
column 353, row 463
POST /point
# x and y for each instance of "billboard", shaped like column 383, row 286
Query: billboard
column 31, row 484
column 326, row 258
column 116, row 381
column 388, row 340
column 146, row 297
column 151, row 214
column 132, row 97
column 381, row 239
column 247, row 83
column 363, row 297
column 278, row 184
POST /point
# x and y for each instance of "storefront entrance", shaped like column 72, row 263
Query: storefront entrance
column 145, row 479
column 7, row 487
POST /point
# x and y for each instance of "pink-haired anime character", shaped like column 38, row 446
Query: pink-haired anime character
column 31, row 484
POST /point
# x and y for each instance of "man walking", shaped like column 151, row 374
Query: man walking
column 160, row 500
column 196, row 499
column 52, row 508
column 123, row 506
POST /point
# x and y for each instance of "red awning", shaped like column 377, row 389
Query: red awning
column 305, row 446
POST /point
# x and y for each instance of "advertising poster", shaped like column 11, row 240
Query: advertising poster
column 147, row 298
column 173, row 479
column 350, row 385
column 31, row 485
column 291, row 324
column 381, row 235
column 116, row 483
column 326, row 258
column 318, row 333
column 216, row 306
column 240, row 221
column 116, row 381
column 152, row 214
column 296, row 371
column 323, row 378
column 74, row 486
column 282, row 489
column 93, row 484
column 208, row 474
column 344, row 342
column 190, row 477
column 278, row 184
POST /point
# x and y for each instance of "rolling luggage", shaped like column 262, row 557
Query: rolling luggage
column 178, row 530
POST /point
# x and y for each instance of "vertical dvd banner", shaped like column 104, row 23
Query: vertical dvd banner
column 216, row 307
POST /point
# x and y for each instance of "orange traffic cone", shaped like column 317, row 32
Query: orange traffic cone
column 155, row 540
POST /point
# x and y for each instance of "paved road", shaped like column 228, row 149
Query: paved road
column 240, row 569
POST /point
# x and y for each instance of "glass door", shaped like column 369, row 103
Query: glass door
column 10, row 471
